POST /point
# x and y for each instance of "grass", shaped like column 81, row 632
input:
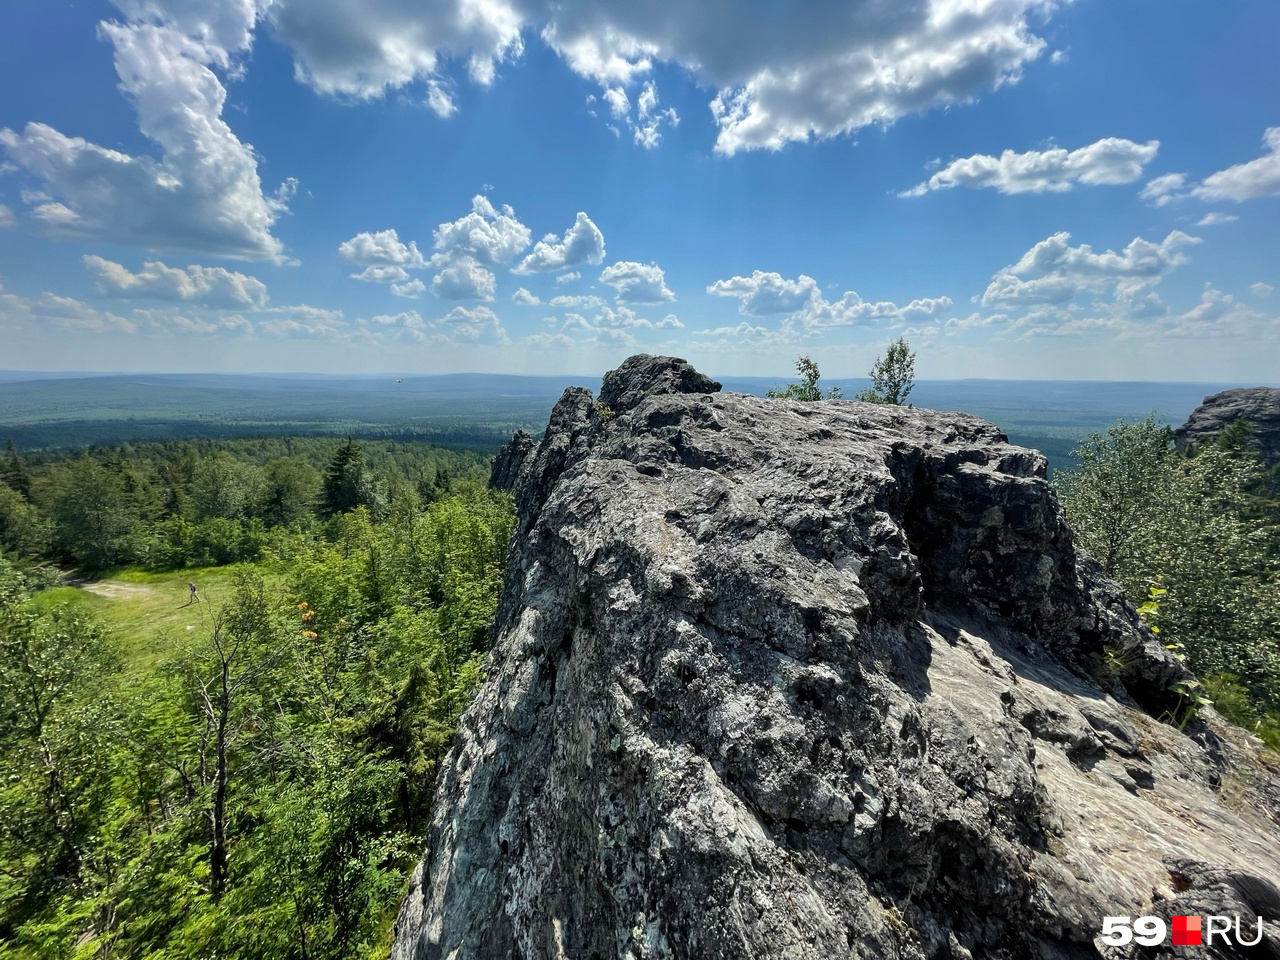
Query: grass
column 150, row 615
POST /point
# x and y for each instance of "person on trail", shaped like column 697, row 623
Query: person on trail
column 192, row 588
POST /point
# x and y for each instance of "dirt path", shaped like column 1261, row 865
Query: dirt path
column 116, row 591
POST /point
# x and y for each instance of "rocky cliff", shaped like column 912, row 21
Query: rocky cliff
column 1259, row 406
column 815, row 680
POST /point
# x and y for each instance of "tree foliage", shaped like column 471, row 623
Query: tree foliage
column 261, row 791
column 1194, row 527
column 807, row 389
column 892, row 376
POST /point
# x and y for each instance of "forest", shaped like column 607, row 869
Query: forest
column 256, row 784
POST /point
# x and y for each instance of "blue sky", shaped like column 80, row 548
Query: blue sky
column 1022, row 188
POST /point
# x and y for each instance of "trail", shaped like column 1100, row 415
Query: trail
column 116, row 591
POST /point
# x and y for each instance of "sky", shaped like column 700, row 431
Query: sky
column 1025, row 189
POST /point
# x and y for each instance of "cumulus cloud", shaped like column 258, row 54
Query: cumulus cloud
column 569, row 277
column 7, row 219
column 1109, row 161
column 1053, row 271
column 474, row 325
column 302, row 322
column 637, row 282
column 1215, row 218
column 1261, row 289
column 583, row 301
column 65, row 313
column 367, row 49
column 209, row 286
column 1164, row 189
column 487, row 235
column 525, row 298
column 582, row 243
column 414, row 288
column 204, row 193
column 466, row 249
column 764, row 294
column 1245, row 181
column 464, row 279
column 381, row 249
column 404, row 327
column 780, row 77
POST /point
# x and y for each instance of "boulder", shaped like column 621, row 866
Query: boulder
column 1259, row 406
column 776, row 679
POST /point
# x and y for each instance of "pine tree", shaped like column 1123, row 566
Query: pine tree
column 14, row 473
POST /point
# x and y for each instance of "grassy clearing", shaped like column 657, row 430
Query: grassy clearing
column 150, row 614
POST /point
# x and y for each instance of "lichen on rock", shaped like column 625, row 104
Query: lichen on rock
column 811, row 680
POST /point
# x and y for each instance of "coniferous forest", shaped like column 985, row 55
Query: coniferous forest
column 243, row 770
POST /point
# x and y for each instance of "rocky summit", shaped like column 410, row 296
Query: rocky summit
column 1259, row 407
column 774, row 679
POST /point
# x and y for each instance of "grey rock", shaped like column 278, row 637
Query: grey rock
column 506, row 465
column 1260, row 406
column 775, row 679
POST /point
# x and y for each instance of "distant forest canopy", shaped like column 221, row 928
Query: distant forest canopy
column 482, row 410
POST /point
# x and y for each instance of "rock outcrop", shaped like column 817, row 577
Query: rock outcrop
column 1259, row 406
column 814, row 680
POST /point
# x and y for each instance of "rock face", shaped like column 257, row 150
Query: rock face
column 1260, row 406
column 776, row 679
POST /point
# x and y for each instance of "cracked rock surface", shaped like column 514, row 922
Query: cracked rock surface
column 774, row 679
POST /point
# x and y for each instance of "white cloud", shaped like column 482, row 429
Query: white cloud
column 1109, row 161
column 363, row 50
column 852, row 310
column 381, row 249
column 405, row 327
column 1261, row 289
column 582, row 243
column 621, row 317
column 487, row 235
column 1164, row 189
column 782, row 77
column 204, row 194
column 414, row 288
column 1245, row 181
column 210, row 286
column 464, row 279
column 1053, row 271
column 569, row 277
column 7, row 219
column 378, row 273
column 1215, row 218
column 764, row 294
column 616, row 98
column 637, row 282
column 669, row 322
column 303, row 322
column 584, row 301
column 474, row 325
column 525, row 298
column 65, row 313
column 172, row 321
column 743, row 329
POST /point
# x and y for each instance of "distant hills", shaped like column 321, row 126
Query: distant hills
column 46, row 410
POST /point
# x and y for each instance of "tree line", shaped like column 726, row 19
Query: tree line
column 175, row 504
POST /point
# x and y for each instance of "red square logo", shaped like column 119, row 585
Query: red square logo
column 1186, row 931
